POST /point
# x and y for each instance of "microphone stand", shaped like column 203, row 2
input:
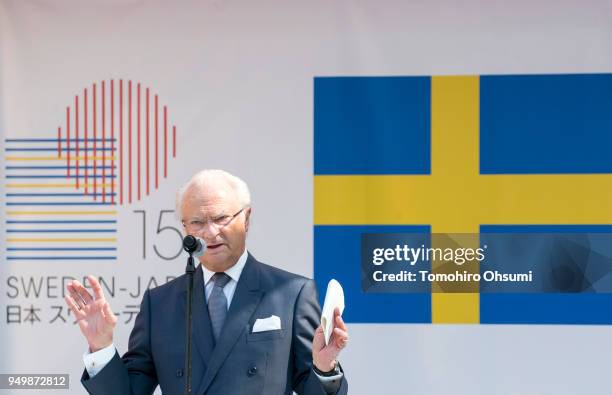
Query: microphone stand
column 189, row 270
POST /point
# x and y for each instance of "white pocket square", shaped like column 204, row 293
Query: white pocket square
column 267, row 324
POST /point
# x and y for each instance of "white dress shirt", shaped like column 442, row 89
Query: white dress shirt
column 234, row 272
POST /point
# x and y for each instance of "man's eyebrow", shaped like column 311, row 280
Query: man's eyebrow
column 203, row 217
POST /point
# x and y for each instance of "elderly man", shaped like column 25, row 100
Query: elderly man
column 232, row 291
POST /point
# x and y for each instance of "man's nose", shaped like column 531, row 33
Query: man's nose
column 208, row 232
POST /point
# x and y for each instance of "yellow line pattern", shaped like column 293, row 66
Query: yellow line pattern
column 62, row 185
column 62, row 240
column 12, row 213
column 56, row 158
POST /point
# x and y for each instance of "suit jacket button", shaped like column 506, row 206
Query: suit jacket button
column 179, row 373
column 252, row 370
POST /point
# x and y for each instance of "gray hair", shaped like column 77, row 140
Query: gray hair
column 203, row 176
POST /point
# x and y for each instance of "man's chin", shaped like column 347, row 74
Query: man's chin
column 216, row 263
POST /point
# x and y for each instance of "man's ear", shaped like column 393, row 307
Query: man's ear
column 247, row 218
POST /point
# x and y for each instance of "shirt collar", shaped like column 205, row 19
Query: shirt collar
column 234, row 272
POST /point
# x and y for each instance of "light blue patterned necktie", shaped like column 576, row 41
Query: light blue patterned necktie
column 217, row 303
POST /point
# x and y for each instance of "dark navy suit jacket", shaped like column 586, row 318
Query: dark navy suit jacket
column 242, row 362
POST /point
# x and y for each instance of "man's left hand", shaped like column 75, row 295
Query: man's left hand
column 324, row 356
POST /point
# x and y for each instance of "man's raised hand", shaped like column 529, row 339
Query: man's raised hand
column 93, row 314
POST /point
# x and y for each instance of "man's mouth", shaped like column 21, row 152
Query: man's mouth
column 214, row 246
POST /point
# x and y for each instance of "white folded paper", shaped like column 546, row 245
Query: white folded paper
column 334, row 297
column 271, row 323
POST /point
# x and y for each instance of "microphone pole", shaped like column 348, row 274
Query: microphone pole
column 190, row 244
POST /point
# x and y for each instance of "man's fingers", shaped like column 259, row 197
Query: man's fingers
column 340, row 333
column 319, row 333
column 83, row 293
column 341, row 337
column 74, row 307
column 318, row 341
column 77, row 299
column 71, row 288
column 340, row 322
column 97, row 288
column 109, row 316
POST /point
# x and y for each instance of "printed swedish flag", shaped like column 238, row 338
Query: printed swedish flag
column 466, row 154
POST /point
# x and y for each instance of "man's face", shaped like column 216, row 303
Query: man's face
column 204, row 211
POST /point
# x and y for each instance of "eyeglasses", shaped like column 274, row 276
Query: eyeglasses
column 218, row 222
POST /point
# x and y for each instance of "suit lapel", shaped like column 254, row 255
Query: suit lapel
column 243, row 305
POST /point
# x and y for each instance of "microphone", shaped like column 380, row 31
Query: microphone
column 194, row 245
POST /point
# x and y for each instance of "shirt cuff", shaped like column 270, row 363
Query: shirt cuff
column 330, row 383
column 96, row 361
